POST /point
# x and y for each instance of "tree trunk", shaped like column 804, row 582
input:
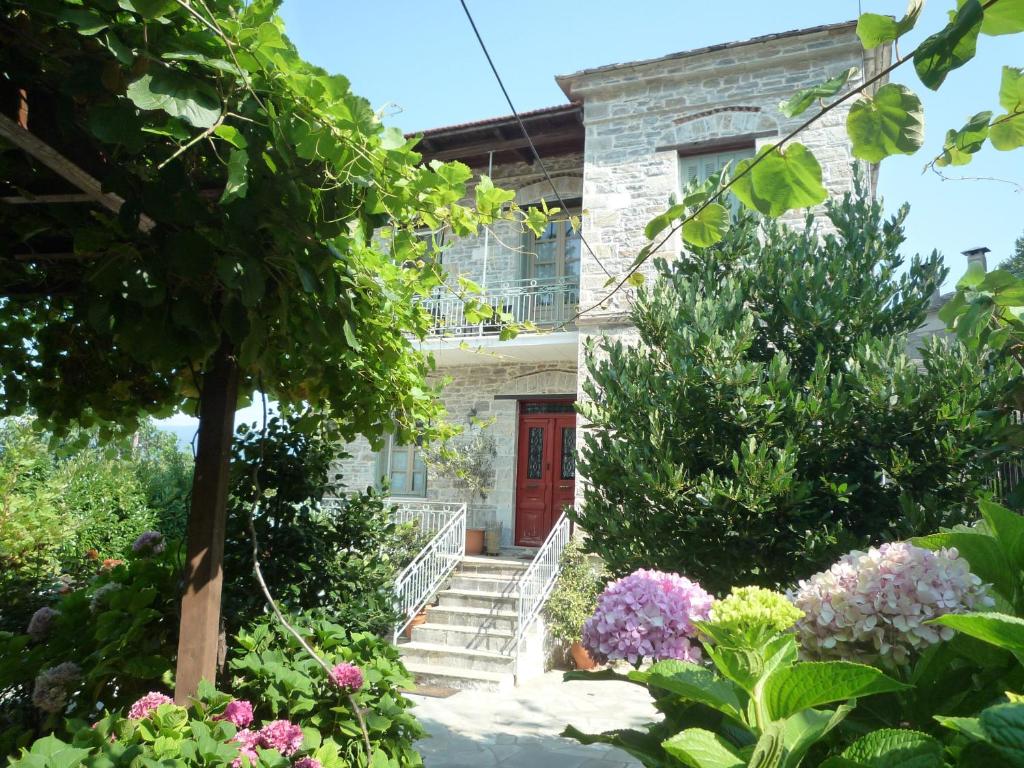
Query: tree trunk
column 204, row 574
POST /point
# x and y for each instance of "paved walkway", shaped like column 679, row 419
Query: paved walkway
column 519, row 729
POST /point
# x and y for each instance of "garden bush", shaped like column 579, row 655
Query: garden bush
column 768, row 419
column 574, row 596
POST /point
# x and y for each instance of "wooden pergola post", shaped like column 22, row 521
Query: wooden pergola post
column 199, row 636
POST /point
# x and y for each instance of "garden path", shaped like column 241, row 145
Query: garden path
column 519, row 728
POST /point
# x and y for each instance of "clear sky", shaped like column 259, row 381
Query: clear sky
column 420, row 61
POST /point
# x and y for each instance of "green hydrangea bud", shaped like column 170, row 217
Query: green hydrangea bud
column 753, row 608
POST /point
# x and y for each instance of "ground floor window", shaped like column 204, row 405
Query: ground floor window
column 404, row 468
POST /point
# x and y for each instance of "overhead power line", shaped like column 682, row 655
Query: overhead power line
column 526, row 133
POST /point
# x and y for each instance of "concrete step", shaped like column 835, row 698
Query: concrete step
column 491, row 566
column 471, row 598
column 478, row 618
column 437, row 655
column 471, row 638
column 462, row 679
column 483, row 583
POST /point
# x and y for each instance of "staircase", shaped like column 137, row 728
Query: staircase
column 468, row 640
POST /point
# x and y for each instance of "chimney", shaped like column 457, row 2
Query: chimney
column 977, row 256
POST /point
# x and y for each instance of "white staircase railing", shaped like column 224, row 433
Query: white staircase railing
column 538, row 580
column 431, row 515
column 421, row 578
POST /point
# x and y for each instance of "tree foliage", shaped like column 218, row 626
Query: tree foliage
column 769, row 418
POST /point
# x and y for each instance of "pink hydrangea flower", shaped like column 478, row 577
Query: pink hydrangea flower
column 53, row 685
column 872, row 606
column 307, row 762
column 281, row 735
column 149, row 543
column 647, row 614
column 237, row 712
column 347, row 676
column 248, row 741
column 41, row 622
column 148, row 703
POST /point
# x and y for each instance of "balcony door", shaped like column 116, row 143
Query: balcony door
column 546, row 468
column 551, row 270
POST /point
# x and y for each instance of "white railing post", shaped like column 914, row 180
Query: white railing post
column 538, row 580
column 422, row 577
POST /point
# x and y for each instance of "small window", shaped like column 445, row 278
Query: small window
column 404, row 469
column 556, row 252
column 701, row 167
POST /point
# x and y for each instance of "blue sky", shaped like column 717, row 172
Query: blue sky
column 420, row 61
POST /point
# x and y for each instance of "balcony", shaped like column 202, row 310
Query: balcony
column 548, row 303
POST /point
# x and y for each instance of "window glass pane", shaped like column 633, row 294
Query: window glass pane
column 568, row 453
column 553, row 407
column 397, row 482
column 572, row 255
column 400, row 459
column 535, row 453
column 419, row 483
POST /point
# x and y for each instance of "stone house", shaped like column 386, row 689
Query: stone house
column 625, row 139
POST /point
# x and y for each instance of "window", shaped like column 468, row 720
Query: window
column 404, row 468
column 701, row 167
column 556, row 253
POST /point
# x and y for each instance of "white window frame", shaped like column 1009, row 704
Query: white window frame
column 700, row 166
column 385, row 470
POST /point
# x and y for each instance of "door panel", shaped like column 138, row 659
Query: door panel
column 546, row 472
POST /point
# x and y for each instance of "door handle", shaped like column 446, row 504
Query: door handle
column 564, row 487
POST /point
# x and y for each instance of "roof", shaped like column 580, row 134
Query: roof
column 564, row 80
column 488, row 121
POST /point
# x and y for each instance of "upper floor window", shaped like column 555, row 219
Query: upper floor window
column 699, row 167
column 556, row 252
column 404, row 468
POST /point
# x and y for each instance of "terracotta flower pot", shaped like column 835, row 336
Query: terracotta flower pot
column 418, row 619
column 581, row 657
column 474, row 541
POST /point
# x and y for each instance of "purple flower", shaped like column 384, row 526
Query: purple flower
column 40, row 623
column 53, row 685
column 149, row 543
column 238, row 713
column 247, row 741
column 307, row 762
column 647, row 614
column 281, row 735
column 347, row 676
column 872, row 606
column 148, row 703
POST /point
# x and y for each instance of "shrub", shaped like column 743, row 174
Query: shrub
column 768, row 419
column 647, row 614
column 270, row 668
column 574, row 598
column 874, row 606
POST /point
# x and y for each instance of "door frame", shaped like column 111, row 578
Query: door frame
column 521, row 402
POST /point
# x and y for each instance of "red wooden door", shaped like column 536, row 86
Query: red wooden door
column 546, row 472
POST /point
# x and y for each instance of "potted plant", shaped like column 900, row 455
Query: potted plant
column 574, row 600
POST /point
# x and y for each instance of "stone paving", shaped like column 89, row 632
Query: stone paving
column 519, row 728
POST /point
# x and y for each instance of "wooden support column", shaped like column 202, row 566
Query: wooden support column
column 204, row 572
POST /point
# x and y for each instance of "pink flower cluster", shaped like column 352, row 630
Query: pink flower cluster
column 149, row 543
column 238, row 713
column 40, row 623
column 347, row 676
column 872, row 606
column 281, row 735
column 647, row 614
column 142, row 708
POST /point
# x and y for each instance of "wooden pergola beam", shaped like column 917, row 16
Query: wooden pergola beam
column 63, row 167
column 27, row 199
column 503, row 145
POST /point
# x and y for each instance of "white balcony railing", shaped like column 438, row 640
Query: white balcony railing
column 421, row 578
column 545, row 302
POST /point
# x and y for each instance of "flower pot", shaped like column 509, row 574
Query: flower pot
column 581, row 657
column 418, row 619
column 474, row 541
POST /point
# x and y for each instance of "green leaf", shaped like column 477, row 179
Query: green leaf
column 643, row 746
column 801, row 731
column 895, row 748
column 1005, row 17
column 232, row 135
column 769, row 749
column 799, row 102
column 177, row 94
column 1011, row 89
column 972, row 277
column 1007, row 527
column 699, row 748
column 56, row 753
column 707, row 226
column 997, row 629
column 1004, row 726
column 237, row 185
column 809, row 684
column 889, row 123
column 692, row 683
column 87, row 21
column 961, row 144
column 1007, row 132
column 150, row 9
column 873, row 29
column 950, row 48
column 780, row 181
column 969, row 726
column 662, row 220
column 636, row 279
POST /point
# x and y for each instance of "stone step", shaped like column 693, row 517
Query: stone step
column 458, row 658
column 462, row 679
column 478, row 618
column 471, row 638
column 491, row 566
column 483, row 583
column 469, row 598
